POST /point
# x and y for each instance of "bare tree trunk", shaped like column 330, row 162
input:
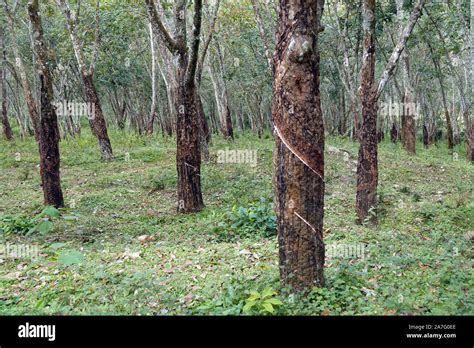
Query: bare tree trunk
column 408, row 117
column 152, row 116
column 216, row 71
column 263, row 35
column 28, row 95
column 469, row 123
column 299, row 145
column 48, row 127
column 96, row 118
column 188, row 130
column 439, row 75
column 367, row 168
column 394, row 133
column 7, row 129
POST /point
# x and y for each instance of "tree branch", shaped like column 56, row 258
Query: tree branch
column 197, row 21
column 392, row 63
column 156, row 20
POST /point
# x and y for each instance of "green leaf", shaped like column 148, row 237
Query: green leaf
column 248, row 306
column 50, row 211
column 274, row 301
column 268, row 307
column 70, row 257
column 268, row 292
column 44, row 226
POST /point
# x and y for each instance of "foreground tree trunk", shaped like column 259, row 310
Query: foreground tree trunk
column 48, row 126
column 299, row 145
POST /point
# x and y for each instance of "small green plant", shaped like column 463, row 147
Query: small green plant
column 262, row 302
column 258, row 219
column 22, row 225
column 15, row 225
column 257, row 216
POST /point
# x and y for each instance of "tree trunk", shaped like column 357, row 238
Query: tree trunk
column 394, row 133
column 426, row 138
column 96, row 119
column 48, row 126
column 25, row 84
column 469, row 123
column 188, row 155
column 408, row 124
column 408, row 117
column 216, row 72
column 299, row 145
column 152, row 116
column 367, row 168
column 7, row 129
column 188, row 127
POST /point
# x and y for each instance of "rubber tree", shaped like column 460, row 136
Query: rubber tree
column 367, row 166
column 188, row 154
column 7, row 129
column 298, row 170
column 48, row 136
column 96, row 116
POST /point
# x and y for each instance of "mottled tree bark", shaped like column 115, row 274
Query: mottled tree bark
column 394, row 133
column 408, row 123
column 96, row 119
column 188, row 130
column 7, row 129
column 216, row 71
column 48, row 126
column 408, row 117
column 426, row 137
column 367, row 168
column 299, row 145
column 261, row 31
column 25, row 84
column 468, row 121
column 152, row 116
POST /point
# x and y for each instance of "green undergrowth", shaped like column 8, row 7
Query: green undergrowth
column 121, row 248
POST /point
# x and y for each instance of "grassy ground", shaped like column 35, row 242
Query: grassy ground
column 416, row 261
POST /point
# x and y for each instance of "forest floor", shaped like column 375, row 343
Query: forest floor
column 121, row 248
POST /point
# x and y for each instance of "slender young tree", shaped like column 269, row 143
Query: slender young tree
column 22, row 72
column 188, row 133
column 7, row 129
column 216, row 72
column 48, row 125
column 367, row 167
column 299, row 144
column 96, row 119
column 407, row 111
